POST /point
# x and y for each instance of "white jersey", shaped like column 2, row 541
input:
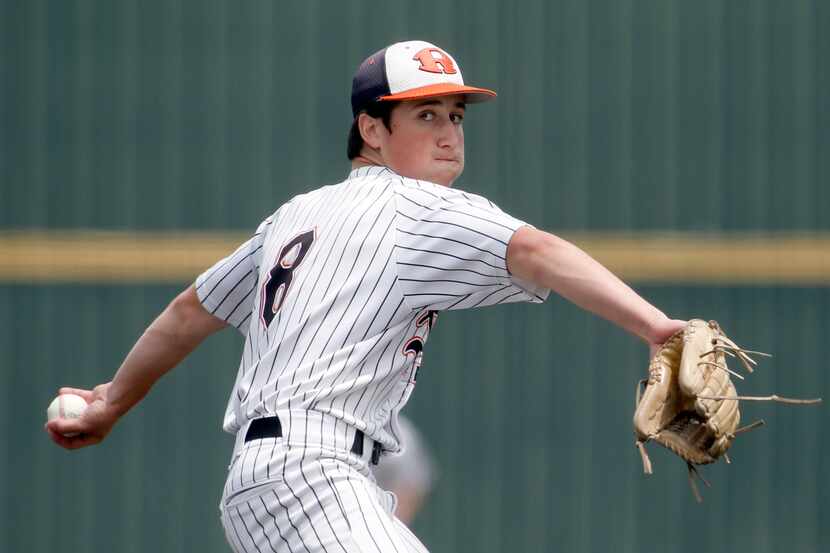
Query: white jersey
column 338, row 289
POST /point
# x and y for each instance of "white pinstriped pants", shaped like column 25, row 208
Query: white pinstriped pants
column 281, row 496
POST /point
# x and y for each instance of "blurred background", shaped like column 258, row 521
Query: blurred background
column 684, row 144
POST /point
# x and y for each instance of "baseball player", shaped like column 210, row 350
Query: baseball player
column 335, row 295
column 410, row 475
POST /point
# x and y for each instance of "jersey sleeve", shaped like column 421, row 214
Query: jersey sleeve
column 226, row 290
column 452, row 250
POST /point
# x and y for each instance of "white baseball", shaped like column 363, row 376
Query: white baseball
column 66, row 406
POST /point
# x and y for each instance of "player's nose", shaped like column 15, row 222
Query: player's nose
column 449, row 135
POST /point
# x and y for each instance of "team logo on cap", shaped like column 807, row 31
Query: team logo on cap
column 434, row 60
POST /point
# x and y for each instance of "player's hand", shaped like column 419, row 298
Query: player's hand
column 92, row 427
column 662, row 331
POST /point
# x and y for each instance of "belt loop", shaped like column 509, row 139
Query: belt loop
column 357, row 447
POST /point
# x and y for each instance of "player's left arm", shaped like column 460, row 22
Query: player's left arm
column 176, row 332
column 552, row 262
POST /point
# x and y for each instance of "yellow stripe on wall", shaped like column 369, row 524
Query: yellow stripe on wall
column 713, row 259
column 115, row 257
column 651, row 258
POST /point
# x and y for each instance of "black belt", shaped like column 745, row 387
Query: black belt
column 270, row 427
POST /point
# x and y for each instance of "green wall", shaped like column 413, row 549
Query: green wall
column 612, row 115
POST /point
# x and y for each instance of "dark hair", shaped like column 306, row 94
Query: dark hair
column 378, row 110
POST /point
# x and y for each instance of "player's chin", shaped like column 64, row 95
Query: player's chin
column 446, row 171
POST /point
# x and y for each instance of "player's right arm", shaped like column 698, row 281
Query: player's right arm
column 177, row 331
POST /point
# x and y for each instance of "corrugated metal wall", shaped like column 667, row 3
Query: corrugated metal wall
column 613, row 115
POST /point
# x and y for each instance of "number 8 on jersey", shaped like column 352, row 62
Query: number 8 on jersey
column 280, row 276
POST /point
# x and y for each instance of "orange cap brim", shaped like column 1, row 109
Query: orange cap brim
column 472, row 93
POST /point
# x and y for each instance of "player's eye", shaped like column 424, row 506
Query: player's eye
column 427, row 115
column 457, row 118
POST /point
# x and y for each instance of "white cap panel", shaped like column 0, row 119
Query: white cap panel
column 416, row 63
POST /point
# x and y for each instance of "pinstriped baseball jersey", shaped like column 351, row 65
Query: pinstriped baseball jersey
column 338, row 289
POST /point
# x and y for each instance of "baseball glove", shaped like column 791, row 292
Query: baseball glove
column 690, row 404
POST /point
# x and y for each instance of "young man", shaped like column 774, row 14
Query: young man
column 335, row 295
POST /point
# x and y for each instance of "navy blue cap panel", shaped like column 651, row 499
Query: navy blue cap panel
column 370, row 82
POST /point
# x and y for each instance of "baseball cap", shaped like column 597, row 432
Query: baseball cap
column 410, row 70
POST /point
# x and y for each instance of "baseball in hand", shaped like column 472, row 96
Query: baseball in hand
column 66, row 406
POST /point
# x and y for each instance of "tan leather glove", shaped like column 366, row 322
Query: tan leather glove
column 690, row 404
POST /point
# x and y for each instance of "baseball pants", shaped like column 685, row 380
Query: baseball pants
column 308, row 492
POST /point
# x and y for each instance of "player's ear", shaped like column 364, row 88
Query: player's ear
column 370, row 130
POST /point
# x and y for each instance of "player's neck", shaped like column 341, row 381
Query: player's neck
column 367, row 159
